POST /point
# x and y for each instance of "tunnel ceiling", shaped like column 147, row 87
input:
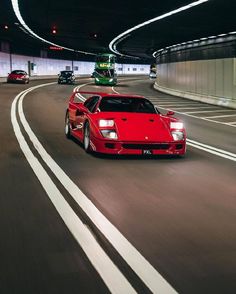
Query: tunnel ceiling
column 91, row 25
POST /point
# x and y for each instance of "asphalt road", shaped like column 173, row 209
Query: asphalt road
column 179, row 214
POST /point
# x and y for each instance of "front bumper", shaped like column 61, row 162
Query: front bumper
column 17, row 80
column 138, row 148
column 66, row 81
column 105, row 82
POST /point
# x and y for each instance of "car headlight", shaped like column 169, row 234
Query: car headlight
column 106, row 123
column 177, row 135
column 176, row 125
column 109, row 134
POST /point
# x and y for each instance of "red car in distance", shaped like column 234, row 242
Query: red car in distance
column 18, row 76
column 123, row 124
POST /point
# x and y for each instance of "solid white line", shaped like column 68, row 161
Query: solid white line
column 206, row 111
column 212, row 150
column 196, row 107
column 110, row 274
column 221, row 116
column 178, row 104
column 231, row 123
column 156, row 99
column 147, row 273
column 197, row 117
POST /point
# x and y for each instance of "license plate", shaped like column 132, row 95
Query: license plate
column 147, row 152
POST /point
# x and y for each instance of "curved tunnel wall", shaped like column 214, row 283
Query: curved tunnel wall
column 47, row 66
column 210, row 80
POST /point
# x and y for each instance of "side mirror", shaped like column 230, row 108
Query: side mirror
column 170, row 112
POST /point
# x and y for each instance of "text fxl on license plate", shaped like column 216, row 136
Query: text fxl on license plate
column 147, row 152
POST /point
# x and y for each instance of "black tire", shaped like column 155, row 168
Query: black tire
column 86, row 139
column 67, row 126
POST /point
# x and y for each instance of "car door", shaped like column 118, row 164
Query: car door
column 84, row 112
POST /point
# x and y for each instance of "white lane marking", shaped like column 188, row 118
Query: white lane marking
column 196, row 107
column 178, row 104
column 110, row 274
column 206, row 111
column 212, row 150
column 230, row 122
column 197, row 117
column 220, row 116
column 146, row 272
column 164, row 100
column 114, row 90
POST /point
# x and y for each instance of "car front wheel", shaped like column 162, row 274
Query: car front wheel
column 86, row 139
column 67, row 126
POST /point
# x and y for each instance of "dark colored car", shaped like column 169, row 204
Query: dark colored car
column 18, row 76
column 66, row 77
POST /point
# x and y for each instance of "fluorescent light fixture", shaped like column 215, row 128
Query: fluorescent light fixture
column 15, row 5
column 196, row 40
column 121, row 37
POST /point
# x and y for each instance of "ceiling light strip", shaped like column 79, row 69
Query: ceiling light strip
column 154, row 54
column 119, row 38
column 15, row 5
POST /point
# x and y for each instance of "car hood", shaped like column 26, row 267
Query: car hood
column 141, row 126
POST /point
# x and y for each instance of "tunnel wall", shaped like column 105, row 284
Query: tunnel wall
column 211, row 81
column 203, row 70
column 46, row 66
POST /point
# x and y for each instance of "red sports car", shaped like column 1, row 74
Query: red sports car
column 18, row 76
column 123, row 124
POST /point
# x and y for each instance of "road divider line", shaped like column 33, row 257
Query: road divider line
column 197, row 117
column 110, row 274
column 146, row 272
column 212, row 150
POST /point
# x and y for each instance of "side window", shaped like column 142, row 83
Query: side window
column 91, row 103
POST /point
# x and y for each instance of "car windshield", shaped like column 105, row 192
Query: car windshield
column 126, row 104
column 66, row 73
column 105, row 72
column 105, row 58
column 18, row 72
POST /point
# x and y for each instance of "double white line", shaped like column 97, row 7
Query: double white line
column 111, row 275
column 212, row 150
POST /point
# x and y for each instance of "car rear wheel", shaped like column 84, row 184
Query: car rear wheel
column 67, row 126
column 86, row 139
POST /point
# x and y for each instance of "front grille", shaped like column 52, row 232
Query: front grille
column 146, row 146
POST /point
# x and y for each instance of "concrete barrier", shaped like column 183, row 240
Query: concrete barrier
column 219, row 101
